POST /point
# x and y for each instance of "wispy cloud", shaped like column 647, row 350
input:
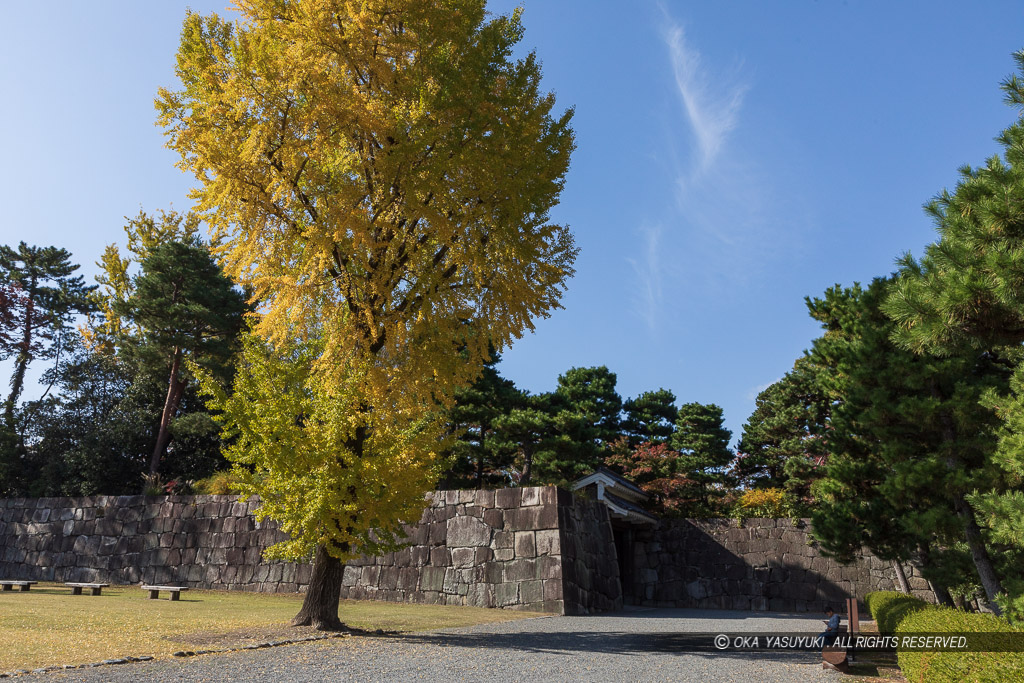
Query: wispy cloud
column 712, row 209
column 712, row 102
column 649, row 273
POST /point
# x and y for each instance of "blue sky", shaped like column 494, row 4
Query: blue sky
column 733, row 157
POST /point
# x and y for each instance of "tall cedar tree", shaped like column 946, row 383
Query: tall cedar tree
column 899, row 419
column 967, row 290
column 381, row 173
column 585, row 410
column 704, row 454
column 187, row 310
column 783, row 441
column 650, row 417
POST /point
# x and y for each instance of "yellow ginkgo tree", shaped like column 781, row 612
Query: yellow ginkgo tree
column 379, row 173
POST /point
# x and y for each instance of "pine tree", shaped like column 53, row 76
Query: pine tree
column 704, row 454
column 43, row 297
column 186, row 311
column 525, row 435
column 910, row 439
column 967, row 290
column 585, row 411
column 477, row 461
column 650, row 417
column 783, row 441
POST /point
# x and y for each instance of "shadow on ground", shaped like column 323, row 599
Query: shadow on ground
column 605, row 643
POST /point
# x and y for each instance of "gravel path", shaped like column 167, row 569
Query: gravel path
column 637, row 645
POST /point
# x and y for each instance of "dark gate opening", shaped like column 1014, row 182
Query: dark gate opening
column 624, row 553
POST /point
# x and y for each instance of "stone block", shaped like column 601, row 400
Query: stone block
column 506, row 594
column 467, row 532
column 485, row 499
column 408, row 577
column 494, row 518
column 530, row 496
column 504, row 554
column 432, row 579
column 525, row 543
column 547, row 541
column 483, row 554
column 503, row 539
column 463, row 557
column 437, row 533
column 451, row 581
column 522, row 570
column 440, row 556
column 507, row 498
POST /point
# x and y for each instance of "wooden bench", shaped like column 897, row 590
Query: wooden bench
column 95, row 588
column 9, row 585
column 154, row 591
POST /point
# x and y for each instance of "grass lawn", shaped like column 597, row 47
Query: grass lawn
column 48, row 626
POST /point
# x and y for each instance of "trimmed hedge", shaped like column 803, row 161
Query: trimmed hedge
column 957, row 667
column 900, row 614
column 888, row 608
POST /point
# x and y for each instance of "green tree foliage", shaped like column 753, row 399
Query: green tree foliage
column 186, row 311
column 42, row 296
column 967, row 290
column 585, row 411
column 783, row 441
column 704, row 454
column 39, row 298
column 650, row 417
column 909, row 439
column 1002, row 511
column 477, row 458
column 94, row 434
column 527, row 434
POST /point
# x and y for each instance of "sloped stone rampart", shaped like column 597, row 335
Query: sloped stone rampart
column 590, row 569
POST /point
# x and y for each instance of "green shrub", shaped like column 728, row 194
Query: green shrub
column 958, row 667
column 888, row 608
column 217, row 484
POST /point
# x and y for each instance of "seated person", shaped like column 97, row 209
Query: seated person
column 831, row 632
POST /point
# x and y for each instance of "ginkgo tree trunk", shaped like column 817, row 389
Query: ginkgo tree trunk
column 380, row 174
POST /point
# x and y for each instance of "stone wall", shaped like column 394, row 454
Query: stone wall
column 767, row 564
column 590, row 570
column 198, row 541
column 480, row 548
column 533, row 548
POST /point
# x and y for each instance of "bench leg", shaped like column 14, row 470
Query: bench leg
column 96, row 590
column 175, row 595
column 153, row 595
column 76, row 590
column 24, row 589
column 8, row 587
